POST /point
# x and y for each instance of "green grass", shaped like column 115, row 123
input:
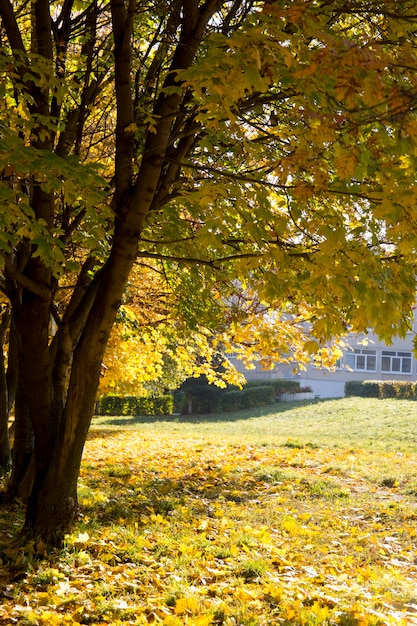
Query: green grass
column 348, row 422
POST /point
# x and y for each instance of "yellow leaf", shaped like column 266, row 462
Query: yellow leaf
column 201, row 620
column 186, row 605
column 50, row 619
column 345, row 162
column 41, row 547
column 82, row 539
column 132, row 128
column 172, row 621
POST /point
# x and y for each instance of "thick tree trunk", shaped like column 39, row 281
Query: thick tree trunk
column 4, row 418
column 12, row 367
column 53, row 504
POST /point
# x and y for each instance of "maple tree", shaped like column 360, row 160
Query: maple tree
column 265, row 149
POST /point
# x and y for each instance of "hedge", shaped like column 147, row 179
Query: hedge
column 210, row 399
column 404, row 390
column 205, row 399
column 133, row 405
column 247, row 398
column 279, row 386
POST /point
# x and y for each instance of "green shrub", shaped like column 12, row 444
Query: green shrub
column 259, row 396
column 247, row 398
column 362, row 388
column 233, row 401
column 133, row 405
column 179, row 398
column 279, row 385
column 205, row 398
column 387, row 389
column 402, row 389
column 200, row 396
column 406, row 390
column 205, row 401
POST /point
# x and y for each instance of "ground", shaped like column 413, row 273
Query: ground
column 182, row 527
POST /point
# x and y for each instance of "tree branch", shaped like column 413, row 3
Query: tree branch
column 42, row 291
column 10, row 24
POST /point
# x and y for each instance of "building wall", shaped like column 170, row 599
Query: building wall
column 365, row 358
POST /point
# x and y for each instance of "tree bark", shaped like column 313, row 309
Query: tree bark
column 53, row 503
column 21, row 480
column 4, row 397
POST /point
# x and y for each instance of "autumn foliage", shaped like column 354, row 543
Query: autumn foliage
column 182, row 527
column 249, row 166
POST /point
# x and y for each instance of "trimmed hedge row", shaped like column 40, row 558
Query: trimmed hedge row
column 247, row 398
column 133, row 405
column 279, row 386
column 405, row 390
column 206, row 398
column 215, row 400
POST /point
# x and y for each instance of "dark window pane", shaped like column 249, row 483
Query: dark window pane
column 371, row 363
column 385, row 364
column 396, row 365
column 406, row 366
column 360, row 362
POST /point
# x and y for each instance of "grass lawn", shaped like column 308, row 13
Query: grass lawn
column 301, row 513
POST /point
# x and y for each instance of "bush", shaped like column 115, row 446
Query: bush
column 406, row 390
column 362, row 388
column 207, row 398
column 133, row 405
column 179, row 400
column 401, row 389
column 247, row 398
column 279, row 386
column 205, row 401
column 200, row 396
column 387, row 390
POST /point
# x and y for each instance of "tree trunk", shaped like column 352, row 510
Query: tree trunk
column 4, row 397
column 4, row 418
column 53, row 504
column 12, row 367
column 21, row 480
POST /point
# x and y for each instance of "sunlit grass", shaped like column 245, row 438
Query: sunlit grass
column 356, row 422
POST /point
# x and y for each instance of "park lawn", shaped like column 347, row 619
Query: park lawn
column 275, row 516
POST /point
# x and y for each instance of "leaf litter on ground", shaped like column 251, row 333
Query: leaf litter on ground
column 181, row 531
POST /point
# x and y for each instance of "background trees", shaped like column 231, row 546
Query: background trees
column 259, row 157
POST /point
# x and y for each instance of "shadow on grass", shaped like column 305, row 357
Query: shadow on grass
column 162, row 496
column 207, row 418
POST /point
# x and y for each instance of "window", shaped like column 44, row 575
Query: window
column 396, row 362
column 361, row 360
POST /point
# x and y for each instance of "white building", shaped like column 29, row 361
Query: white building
column 365, row 358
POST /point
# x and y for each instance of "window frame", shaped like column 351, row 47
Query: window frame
column 365, row 353
column 401, row 355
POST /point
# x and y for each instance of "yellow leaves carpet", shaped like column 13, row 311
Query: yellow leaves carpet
column 183, row 531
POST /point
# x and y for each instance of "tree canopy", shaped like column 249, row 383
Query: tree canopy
column 258, row 158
